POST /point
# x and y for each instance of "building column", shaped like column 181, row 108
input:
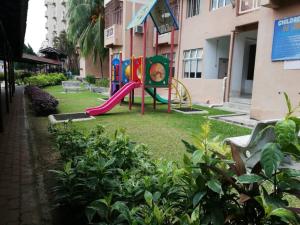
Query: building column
column 1, row 114
column 230, row 62
column 6, row 86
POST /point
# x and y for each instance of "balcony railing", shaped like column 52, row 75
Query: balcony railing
column 248, row 5
column 113, row 36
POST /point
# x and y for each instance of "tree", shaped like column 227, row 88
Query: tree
column 86, row 28
column 63, row 44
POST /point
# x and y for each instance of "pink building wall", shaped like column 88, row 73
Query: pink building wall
column 270, row 78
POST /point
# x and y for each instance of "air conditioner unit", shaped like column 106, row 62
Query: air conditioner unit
column 139, row 29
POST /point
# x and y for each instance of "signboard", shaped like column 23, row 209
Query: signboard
column 286, row 40
column 142, row 14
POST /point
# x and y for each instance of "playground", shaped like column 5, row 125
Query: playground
column 147, row 116
column 160, row 131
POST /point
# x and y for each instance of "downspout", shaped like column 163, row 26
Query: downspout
column 229, row 72
column 180, row 35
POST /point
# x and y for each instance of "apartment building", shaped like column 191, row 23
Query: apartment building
column 223, row 50
column 57, row 22
column 56, row 15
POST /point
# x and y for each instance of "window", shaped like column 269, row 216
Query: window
column 215, row 4
column 249, row 5
column 193, row 8
column 192, row 63
column 113, row 13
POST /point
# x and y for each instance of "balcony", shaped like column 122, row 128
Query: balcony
column 246, row 6
column 275, row 4
column 113, row 36
column 165, row 39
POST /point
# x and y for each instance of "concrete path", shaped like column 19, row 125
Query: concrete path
column 18, row 197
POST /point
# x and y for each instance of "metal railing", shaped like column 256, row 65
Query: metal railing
column 246, row 6
column 113, row 17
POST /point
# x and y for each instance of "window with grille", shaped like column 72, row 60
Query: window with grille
column 216, row 4
column 193, row 8
column 249, row 5
column 113, row 13
column 192, row 63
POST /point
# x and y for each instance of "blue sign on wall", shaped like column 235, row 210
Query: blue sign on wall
column 286, row 41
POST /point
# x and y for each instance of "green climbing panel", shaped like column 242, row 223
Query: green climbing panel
column 157, row 71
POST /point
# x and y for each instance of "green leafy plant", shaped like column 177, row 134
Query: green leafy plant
column 102, row 82
column 90, row 79
column 43, row 80
column 114, row 181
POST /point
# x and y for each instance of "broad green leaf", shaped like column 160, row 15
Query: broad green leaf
column 197, row 157
column 158, row 214
column 292, row 173
column 288, row 103
column 249, row 179
column 189, row 147
column 285, row 131
column 215, row 186
column 156, row 196
column 186, row 160
column 195, row 215
column 292, row 149
column 285, row 215
column 149, row 198
column 297, row 121
column 271, row 158
column 197, row 198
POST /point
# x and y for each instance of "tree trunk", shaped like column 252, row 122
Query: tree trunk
column 101, row 65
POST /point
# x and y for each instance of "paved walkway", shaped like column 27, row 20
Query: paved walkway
column 18, row 204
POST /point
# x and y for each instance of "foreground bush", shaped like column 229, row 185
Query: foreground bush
column 42, row 102
column 114, row 181
column 43, row 80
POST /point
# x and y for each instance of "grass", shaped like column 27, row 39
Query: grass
column 160, row 131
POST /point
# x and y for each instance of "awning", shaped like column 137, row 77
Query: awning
column 161, row 14
column 26, row 58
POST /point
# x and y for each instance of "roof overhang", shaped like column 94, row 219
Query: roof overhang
column 32, row 59
column 13, row 17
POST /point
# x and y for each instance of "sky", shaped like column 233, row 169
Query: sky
column 36, row 20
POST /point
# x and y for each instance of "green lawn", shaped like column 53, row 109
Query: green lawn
column 160, row 131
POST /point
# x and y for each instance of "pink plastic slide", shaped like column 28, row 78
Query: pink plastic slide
column 114, row 100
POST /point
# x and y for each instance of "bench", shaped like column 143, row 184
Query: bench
column 248, row 147
column 71, row 86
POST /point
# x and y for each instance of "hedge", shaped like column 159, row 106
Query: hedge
column 43, row 103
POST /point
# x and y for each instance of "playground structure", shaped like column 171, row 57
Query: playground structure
column 147, row 73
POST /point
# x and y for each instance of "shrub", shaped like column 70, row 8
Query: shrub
column 42, row 102
column 21, row 76
column 43, row 80
column 102, row 82
column 90, row 79
column 114, row 181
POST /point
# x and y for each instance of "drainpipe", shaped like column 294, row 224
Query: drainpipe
column 230, row 62
column 180, row 35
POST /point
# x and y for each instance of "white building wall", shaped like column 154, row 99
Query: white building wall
column 56, row 19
